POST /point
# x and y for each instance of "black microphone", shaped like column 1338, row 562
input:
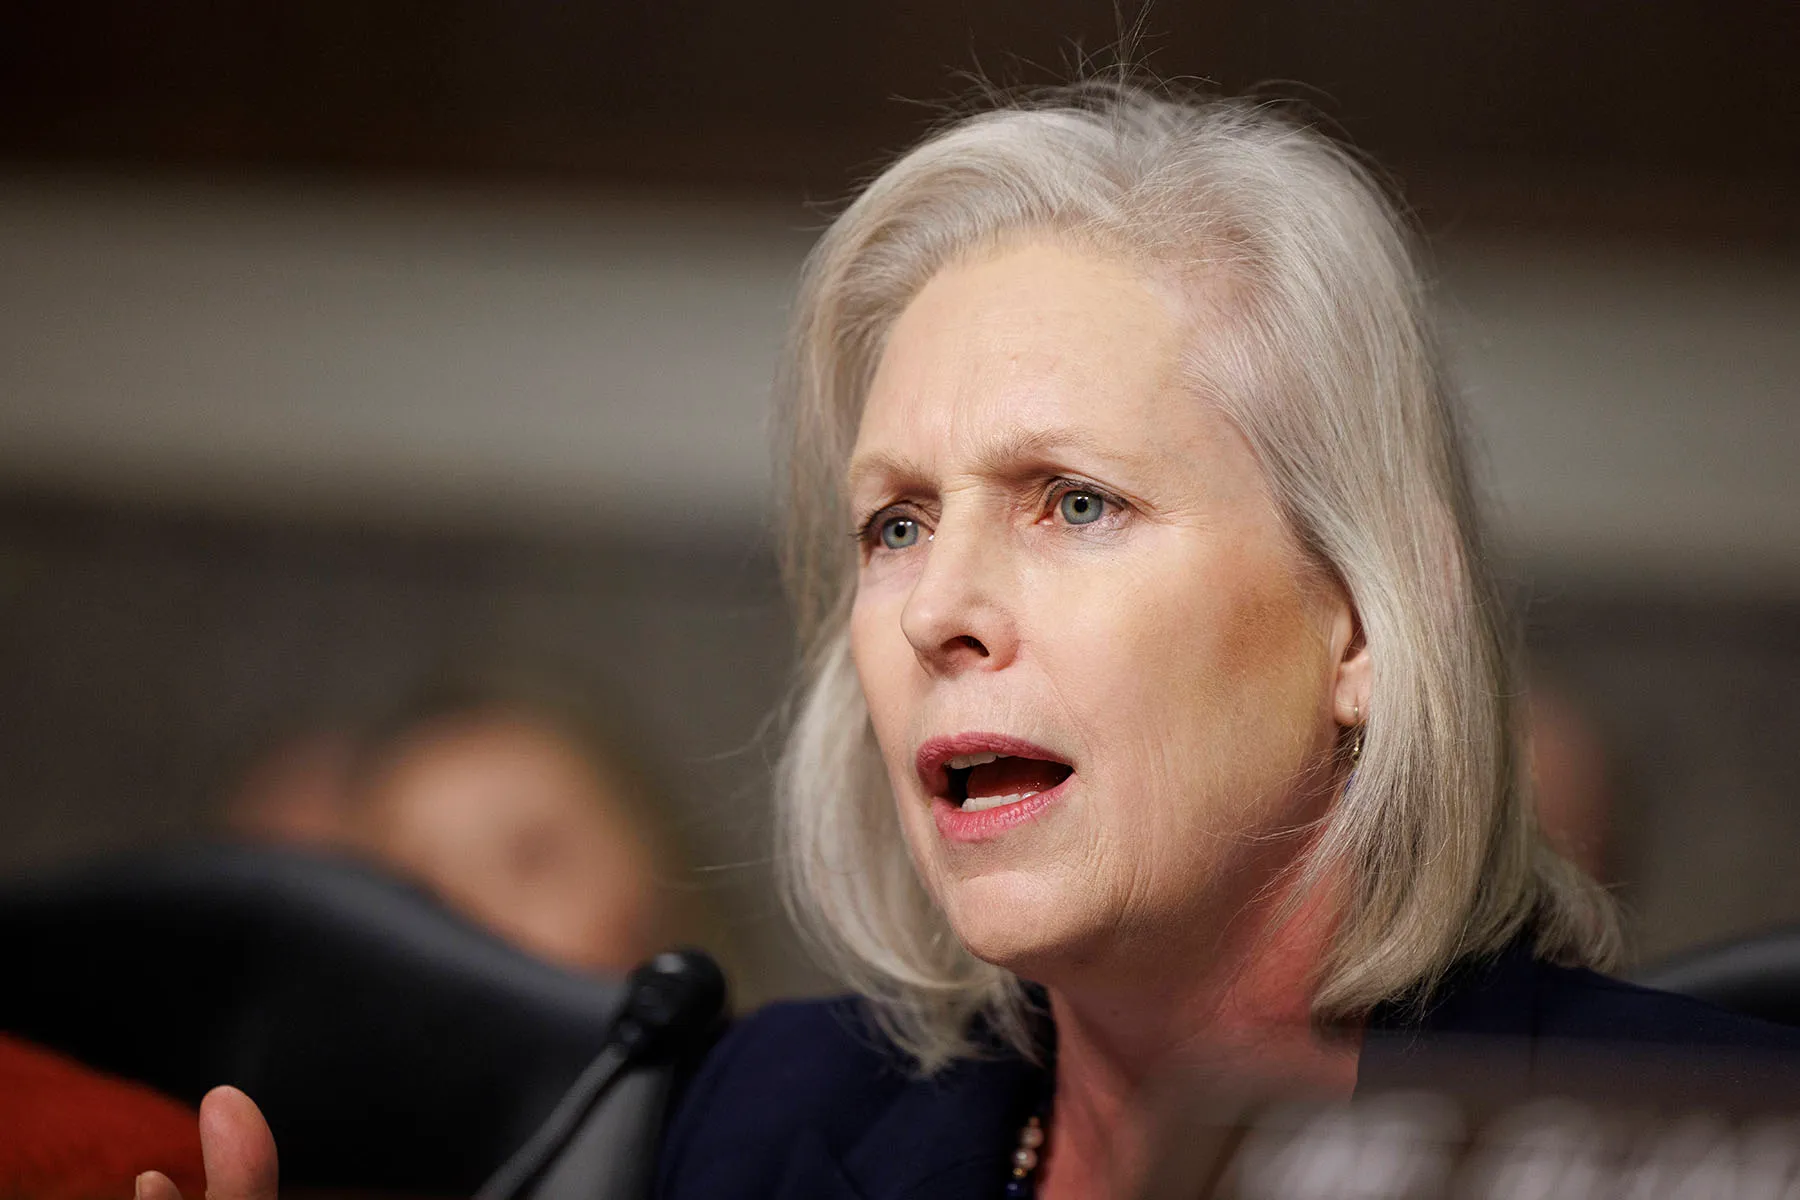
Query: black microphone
column 670, row 1002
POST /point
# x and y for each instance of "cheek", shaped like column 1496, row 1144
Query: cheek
column 885, row 669
column 1202, row 673
column 881, row 654
column 889, row 675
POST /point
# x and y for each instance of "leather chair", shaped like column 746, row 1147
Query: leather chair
column 1756, row 976
column 392, row 1046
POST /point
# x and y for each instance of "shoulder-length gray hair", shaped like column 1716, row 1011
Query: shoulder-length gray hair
column 1327, row 366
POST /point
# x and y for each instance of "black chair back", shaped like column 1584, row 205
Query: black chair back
column 1755, row 977
column 391, row 1045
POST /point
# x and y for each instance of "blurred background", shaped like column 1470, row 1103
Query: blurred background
column 347, row 347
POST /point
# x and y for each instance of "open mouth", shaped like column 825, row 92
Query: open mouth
column 976, row 782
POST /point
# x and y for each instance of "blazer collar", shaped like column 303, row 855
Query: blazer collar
column 1482, row 1014
column 949, row 1138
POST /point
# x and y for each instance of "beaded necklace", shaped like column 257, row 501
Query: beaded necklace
column 1023, row 1184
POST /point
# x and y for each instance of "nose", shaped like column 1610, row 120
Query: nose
column 960, row 614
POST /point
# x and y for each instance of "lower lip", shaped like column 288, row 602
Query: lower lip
column 956, row 825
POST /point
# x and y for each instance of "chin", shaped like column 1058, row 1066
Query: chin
column 1021, row 922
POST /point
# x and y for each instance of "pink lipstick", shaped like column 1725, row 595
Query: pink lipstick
column 983, row 784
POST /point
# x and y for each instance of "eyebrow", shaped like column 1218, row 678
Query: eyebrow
column 1001, row 455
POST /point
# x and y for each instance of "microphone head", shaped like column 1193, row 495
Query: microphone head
column 672, row 999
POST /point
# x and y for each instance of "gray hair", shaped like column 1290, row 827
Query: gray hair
column 1327, row 366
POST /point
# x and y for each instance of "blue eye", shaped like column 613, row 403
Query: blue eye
column 1080, row 508
column 897, row 533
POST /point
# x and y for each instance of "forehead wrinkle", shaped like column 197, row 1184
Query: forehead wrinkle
column 987, row 373
column 1006, row 452
column 1003, row 454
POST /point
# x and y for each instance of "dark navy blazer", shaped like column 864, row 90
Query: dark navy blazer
column 805, row 1100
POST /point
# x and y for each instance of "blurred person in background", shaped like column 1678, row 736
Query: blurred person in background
column 513, row 808
column 295, row 788
column 1572, row 776
column 501, row 795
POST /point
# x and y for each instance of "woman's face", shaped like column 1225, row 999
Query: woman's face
column 1074, row 569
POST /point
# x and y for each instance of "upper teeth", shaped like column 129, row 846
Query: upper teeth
column 963, row 762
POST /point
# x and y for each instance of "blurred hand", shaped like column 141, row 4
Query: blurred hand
column 237, row 1147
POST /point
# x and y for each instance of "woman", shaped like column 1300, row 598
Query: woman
column 1164, row 670
column 1151, row 657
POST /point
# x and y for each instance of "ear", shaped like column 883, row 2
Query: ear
column 1351, row 687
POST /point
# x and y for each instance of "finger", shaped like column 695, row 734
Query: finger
column 154, row 1185
column 237, row 1147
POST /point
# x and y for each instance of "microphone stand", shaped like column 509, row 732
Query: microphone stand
column 669, row 1001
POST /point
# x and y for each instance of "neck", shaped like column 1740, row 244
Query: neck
column 1240, row 1009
